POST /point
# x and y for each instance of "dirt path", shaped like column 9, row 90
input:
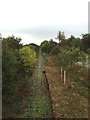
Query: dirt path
column 39, row 103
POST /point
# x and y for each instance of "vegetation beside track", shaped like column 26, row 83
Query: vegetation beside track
column 39, row 105
column 69, row 100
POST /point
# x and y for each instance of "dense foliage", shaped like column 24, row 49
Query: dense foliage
column 85, row 44
column 18, row 63
column 72, row 50
column 34, row 47
column 47, row 46
column 73, row 55
column 28, row 59
column 10, row 52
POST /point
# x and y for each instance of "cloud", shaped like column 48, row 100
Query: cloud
column 42, row 19
column 89, row 16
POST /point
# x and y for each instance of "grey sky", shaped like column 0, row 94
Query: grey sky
column 89, row 17
column 38, row 20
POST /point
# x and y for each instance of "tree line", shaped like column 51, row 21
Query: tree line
column 18, row 63
column 75, row 42
column 18, row 60
column 73, row 56
column 70, row 50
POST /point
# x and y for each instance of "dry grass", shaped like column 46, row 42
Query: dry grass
column 66, row 101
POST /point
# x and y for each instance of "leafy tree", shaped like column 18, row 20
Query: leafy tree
column 13, row 42
column 83, row 58
column 60, row 36
column 10, row 48
column 74, row 42
column 85, row 42
column 55, row 50
column 44, row 46
column 34, row 47
column 28, row 59
column 73, row 54
column 68, row 57
column 17, row 62
column 52, row 44
column 47, row 46
column 88, row 51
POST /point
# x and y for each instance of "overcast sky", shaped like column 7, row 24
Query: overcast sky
column 37, row 20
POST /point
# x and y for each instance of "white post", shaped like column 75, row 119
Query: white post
column 64, row 77
column 61, row 73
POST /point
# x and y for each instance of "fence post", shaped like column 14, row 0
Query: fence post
column 61, row 73
column 64, row 77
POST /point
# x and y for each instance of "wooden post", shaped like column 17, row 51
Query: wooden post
column 61, row 73
column 64, row 77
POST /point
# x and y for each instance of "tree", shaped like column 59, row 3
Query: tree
column 34, row 47
column 10, row 52
column 60, row 37
column 28, row 59
column 85, row 42
column 47, row 46
column 17, row 63
column 44, row 46
column 68, row 57
column 74, row 42
column 55, row 50
column 51, row 45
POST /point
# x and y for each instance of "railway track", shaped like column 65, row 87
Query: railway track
column 40, row 104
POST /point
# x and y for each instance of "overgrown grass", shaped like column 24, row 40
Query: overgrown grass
column 69, row 100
